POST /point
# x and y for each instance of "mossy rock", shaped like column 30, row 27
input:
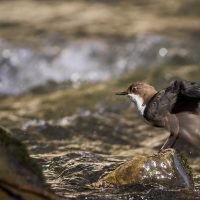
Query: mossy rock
column 169, row 169
column 20, row 176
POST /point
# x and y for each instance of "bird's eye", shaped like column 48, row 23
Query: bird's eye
column 134, row 89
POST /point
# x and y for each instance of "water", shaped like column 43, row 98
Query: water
column 79, row 134
column 87, row 147
column 22, row 69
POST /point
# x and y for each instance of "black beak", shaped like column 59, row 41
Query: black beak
column 121, row 93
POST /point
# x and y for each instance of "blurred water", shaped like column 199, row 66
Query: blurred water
column 77, row 146
column 22, row 69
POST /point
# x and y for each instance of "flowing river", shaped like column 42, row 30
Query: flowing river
column 60, row 102
column 61, row 63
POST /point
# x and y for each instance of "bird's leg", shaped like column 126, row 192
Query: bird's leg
column 172, row 125
column 169, row 142
column 177, row 136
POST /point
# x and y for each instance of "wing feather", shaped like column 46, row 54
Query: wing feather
column 190, row 89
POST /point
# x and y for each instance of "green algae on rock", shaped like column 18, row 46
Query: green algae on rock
column 168, row 169
column 20, row 176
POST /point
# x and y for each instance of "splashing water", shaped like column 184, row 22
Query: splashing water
column 22, row 69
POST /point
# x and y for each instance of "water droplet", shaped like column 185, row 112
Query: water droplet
column 163, row 165
column 163, row 52
column 6, row 53
column 75, row 77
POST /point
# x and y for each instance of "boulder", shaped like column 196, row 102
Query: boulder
column 169, row 169
column 20, row 176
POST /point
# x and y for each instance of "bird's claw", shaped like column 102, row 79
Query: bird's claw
column 161, row 151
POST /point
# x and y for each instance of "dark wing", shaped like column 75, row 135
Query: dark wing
column 190, row 89
column 162, row 105
column 188, row 97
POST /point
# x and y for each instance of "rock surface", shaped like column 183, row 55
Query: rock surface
column 168, row 169
column 20, row 176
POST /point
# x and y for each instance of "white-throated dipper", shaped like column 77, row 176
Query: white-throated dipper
column 174, row 108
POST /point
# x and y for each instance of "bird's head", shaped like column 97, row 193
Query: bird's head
column 139, row 93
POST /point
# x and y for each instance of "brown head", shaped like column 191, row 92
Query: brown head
column 139, row 90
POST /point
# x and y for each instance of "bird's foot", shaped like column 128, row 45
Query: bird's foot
column 163, row 151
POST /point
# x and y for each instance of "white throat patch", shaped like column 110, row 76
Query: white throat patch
column 138, row 101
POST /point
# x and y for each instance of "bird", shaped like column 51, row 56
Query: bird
column 174, row 108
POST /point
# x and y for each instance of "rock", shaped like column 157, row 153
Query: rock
column 20, row 176
column 168, row 169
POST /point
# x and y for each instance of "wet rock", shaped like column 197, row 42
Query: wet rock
column 168, row 169
column 20, row 176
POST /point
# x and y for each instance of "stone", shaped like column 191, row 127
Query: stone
column 169, row 169
column 20, row 175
